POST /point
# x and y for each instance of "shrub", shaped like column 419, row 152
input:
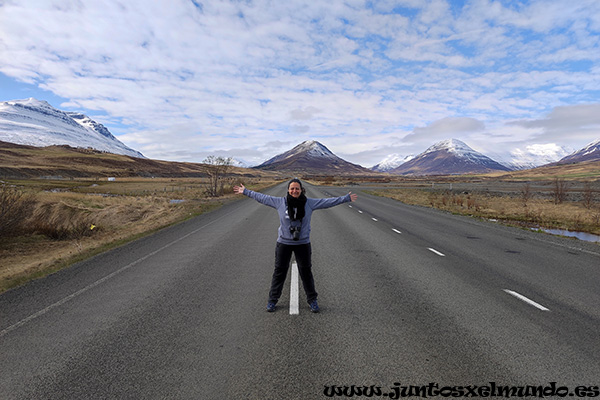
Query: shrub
column 560, row 190
column 60, row 221
column 588, row 196
column 15, row 208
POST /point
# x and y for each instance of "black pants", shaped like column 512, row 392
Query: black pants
column 283, row 255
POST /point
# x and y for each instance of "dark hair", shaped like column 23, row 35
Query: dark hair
column 295, row 180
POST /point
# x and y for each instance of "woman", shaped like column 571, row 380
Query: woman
column 295, row 211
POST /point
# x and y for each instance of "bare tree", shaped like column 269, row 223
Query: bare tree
column 216, row 168
column 526, row 193
column 588, row 196
column 560, row 190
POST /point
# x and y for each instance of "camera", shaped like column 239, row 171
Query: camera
column 295, row 231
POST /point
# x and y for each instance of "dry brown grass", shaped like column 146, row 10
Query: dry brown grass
column 65, row 227
column 543, row 213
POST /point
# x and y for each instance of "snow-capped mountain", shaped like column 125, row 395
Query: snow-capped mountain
column 311, row 157
column 591, row 152
column 449, row 157
column 390, row 162
column 36, row 123
column 532, row 156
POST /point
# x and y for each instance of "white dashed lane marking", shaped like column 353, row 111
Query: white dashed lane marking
column 436, row 252
column 526, row 300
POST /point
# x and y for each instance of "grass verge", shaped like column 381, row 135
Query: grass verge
column 58, row 225
column 514, row 211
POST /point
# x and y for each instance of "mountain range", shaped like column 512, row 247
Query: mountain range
column 448, row 157
column 36, row 123
column 516, row 159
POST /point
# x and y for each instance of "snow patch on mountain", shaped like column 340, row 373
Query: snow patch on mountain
column 590, row 148
column 390, row 162
column 531, row 156
column 459, row 149
column 591, row 152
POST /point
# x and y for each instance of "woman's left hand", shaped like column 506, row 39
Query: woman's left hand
column 353, row 196
column 239, row 189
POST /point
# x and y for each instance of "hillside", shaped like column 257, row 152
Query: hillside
column 587, row 170
column 21, row 162
column 589, row 153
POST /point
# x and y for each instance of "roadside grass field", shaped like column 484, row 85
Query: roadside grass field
column 534, row 212
column 55, row 223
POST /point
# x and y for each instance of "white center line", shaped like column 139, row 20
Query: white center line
column 436, row 252
column 374, row 219
column 360, row 211
column 396, row 230
column 526, row 300
column 294, row 292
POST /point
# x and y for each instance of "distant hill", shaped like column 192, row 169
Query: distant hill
column 449, row 157
column 585, row 170
column 311, row 157
column 22, row 162
column 36, row 123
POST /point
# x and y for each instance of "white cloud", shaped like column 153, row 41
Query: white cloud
column 186, row 78
column 445, row 128
column 575, row 123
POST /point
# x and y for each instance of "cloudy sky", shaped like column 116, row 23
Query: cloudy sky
column 182, row 79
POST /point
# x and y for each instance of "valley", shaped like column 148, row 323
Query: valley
column 124, row 198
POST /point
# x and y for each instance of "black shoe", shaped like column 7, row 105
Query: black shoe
column 270, row 306
column 314, row 307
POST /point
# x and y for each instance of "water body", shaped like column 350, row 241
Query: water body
column 588, row 237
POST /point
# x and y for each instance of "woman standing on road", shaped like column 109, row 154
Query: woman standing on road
column 295, row 211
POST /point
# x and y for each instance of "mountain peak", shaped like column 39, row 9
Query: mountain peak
column 452, row 145
column 314, row 149
column 447, row 157
column 31, row 102
column 311, row 157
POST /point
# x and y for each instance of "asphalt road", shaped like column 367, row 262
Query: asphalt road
column 408, row 296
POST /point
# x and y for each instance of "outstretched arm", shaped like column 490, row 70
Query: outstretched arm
column 318, row 204
column 261, row 198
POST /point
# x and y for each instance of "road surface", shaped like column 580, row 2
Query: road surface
column 409, row 297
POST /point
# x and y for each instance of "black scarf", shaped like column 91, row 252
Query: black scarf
column 296, row 207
